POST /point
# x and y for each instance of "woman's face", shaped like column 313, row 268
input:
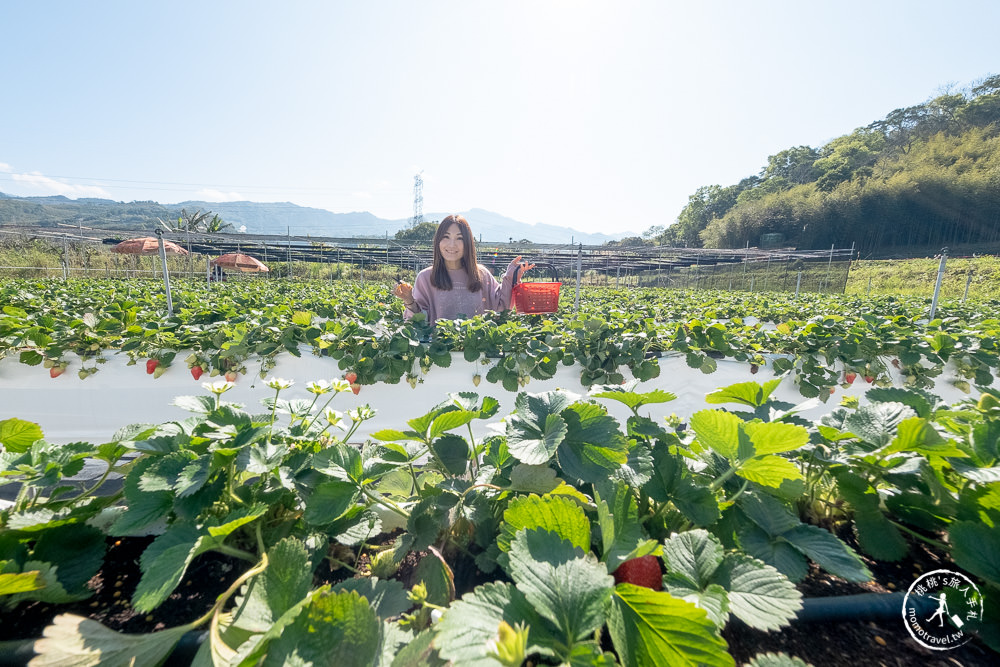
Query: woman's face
column 452, row 246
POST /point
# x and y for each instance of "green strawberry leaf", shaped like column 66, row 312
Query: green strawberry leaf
column 775, row 437
column 469, row 624
column 17, row 435
column 752, row 394
column 594, row 446
column 266, row 597
column 386, row 596
column 566, row 585
column 976, row 548
column 350, row 635
column 329, row 501
column 652, row 628
column 534, row 443
column 827, row 551
column 718, row 431
column 81, row 642
column 759, row 595
column 558, row 514
column 770, row 471
column 693, row 554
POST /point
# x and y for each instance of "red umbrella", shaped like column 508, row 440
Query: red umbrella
column 148, row 245
column 240, row 262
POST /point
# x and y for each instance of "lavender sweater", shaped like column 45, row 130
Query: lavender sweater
column 449, row 304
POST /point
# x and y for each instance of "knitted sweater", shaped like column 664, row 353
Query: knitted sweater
column 450, row 304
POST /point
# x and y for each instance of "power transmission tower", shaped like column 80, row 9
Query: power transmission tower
column 418, row 200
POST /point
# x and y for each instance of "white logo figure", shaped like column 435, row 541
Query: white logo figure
column 941, row 610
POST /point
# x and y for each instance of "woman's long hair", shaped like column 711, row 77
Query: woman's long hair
column 439, row 272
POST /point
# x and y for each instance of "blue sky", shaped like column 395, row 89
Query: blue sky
column 601, row 116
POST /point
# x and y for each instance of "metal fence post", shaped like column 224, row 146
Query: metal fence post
column 579, row 271
column 937, row 285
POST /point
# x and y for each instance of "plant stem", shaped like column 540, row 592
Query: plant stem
column 739, row 492
column 385, row 502
column 473, row 456
column 413, row 474
column 237, row 553
column 934, row 543
column 230, row 473
column 722, row 479
column 97, row 485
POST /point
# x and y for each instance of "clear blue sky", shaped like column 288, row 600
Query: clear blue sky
column 598, row 115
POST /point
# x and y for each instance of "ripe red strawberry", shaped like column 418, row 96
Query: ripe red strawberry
column 196, row 371
column 231, row 376
column 351, row 377
column 754, row 368
column 355, row 387
column 895, row 363
column 869, row 379
column 151, row 365
column 643, row 571
column 850, row 376
column 56, row 371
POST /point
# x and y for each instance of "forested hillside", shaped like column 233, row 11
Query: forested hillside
column 926, row 175
column 102, row 213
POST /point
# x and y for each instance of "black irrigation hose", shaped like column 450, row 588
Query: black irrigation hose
column 862, row 607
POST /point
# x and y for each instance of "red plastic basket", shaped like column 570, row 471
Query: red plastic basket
column 536, row 297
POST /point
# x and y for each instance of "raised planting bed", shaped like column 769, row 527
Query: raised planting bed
column 561, row 534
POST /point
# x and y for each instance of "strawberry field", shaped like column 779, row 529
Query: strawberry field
column 553, row 500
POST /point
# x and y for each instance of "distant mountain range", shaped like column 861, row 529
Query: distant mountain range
column 270, row 218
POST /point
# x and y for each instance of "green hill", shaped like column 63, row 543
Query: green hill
column 923, row 177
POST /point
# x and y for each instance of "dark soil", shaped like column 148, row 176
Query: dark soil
column 883, row 642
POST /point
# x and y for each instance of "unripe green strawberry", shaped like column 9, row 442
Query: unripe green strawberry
column 159, row 370
column 476, row 379
column 643, row 571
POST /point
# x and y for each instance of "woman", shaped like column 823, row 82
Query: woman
column 455, row 284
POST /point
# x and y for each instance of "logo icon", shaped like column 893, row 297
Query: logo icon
column 939, row 609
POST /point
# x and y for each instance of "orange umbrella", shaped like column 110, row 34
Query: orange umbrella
column 240, row 262
column 148, row 245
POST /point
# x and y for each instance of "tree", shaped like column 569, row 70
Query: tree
column 216, row 225
column 422, row 232
column 795, row 165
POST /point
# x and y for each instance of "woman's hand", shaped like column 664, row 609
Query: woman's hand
column 523, row 267
column 404, row 291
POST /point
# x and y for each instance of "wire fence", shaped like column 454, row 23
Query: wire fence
column 87, row 253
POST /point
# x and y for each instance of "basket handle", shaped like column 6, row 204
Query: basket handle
column 552, row 270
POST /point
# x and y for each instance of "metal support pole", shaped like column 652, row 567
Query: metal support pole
column 166, row 274
column 968, row 281
column 869, row 290
column 65, row 260
column 579, row 270
column 289, row 249
column 618, row 275
column 798, row 283
column 937, row 285
column 829, row 267
column 208, row 270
